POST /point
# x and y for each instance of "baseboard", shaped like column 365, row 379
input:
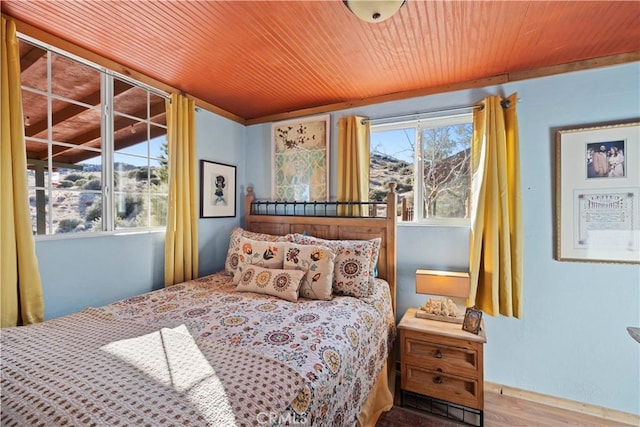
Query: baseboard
column 570, row 405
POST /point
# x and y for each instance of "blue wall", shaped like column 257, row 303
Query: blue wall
column 572, row 340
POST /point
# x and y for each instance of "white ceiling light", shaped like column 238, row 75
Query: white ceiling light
column 374, row 11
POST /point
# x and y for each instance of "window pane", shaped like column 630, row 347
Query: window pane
column 36, row 152
column 81, row 188
column 33, row 66
column 75, row 197
column 75, row 124
column 35, row 109
column 70, row 209
column 131, row 175
column 158, row 143
column 130, row 209
column 131, row 138
column 129, row 100
column 37, row 183
column 158, row 209
column 446, row 157
column 158, row 109
column 159, row 193
column 392, row 160
column 73, row 157
column 73, row 80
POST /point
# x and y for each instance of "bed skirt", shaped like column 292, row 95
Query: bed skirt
column 381, row 397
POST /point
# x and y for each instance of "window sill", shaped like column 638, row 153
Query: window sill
column 69, row 236
column 439, row 224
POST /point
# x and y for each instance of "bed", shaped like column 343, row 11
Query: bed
column 221, row 349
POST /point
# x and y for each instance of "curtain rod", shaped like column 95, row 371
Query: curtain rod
column 505, row 104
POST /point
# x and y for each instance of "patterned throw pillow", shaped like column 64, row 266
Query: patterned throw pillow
column 318, row 262
column 231, row 263
column 258, row 252
column 353, row 265
column 276, row 282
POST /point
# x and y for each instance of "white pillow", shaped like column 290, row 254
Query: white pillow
column 318, row 262
column 263, row 253
column 276, row 282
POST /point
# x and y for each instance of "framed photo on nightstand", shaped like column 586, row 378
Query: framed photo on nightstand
column 472, row 320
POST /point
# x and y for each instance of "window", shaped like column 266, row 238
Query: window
column 96, row 146
column 429, row 160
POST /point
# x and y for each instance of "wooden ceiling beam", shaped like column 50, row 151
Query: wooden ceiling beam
column 30, row 58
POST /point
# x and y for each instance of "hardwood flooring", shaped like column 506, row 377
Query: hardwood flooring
column 508, row 411
column 500, row 411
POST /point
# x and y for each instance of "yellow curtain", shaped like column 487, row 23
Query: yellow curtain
column 496, row 256
column 20, row 285
column 181, row 242
column 353, row 163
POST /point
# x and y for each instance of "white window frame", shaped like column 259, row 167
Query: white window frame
column 107, row 135
column 418, row 171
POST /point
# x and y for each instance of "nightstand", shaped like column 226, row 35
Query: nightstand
column 442, row 368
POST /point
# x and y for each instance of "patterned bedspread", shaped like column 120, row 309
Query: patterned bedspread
column 92, row 369
column 338, row 347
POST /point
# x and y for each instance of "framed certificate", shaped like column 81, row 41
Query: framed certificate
column 598, row 194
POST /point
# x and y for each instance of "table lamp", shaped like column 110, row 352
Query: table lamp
column 444, row 284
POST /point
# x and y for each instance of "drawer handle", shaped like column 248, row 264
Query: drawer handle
column 438, row 380
column 438, row 354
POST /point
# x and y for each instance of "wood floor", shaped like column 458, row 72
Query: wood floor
column 509, row 411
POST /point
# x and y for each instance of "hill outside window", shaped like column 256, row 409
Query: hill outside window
column 96, row 146
column 429, row 159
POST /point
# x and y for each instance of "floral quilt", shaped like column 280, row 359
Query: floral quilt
column 338, row 346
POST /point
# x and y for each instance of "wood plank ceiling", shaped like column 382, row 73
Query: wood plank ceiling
column 263, row 60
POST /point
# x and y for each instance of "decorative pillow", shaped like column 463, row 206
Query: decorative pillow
column 258, row 252
column 231, row 263
column 375, row 255
column 318, row 262
column 276, row 282
column 353, row 265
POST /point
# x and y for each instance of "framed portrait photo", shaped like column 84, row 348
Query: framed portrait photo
column 300, row 156
column 598, row 194
column 472, row 320
column 217, row 190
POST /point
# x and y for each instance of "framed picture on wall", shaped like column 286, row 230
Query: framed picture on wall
column 598, row 194
column 217, row 190
column 300, row 158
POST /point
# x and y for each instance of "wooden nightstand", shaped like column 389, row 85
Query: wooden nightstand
column 443, row 363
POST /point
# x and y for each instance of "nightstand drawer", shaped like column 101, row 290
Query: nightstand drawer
column 450, row 356
column 452, row 388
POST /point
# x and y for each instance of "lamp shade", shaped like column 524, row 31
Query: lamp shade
column 374, row 11
column 445, row 283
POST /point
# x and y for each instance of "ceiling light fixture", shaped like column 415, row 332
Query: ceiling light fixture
column 374, row 11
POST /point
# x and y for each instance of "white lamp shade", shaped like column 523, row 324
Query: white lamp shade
column 374, row 11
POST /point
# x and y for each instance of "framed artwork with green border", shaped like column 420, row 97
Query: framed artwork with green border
column 300, row 159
